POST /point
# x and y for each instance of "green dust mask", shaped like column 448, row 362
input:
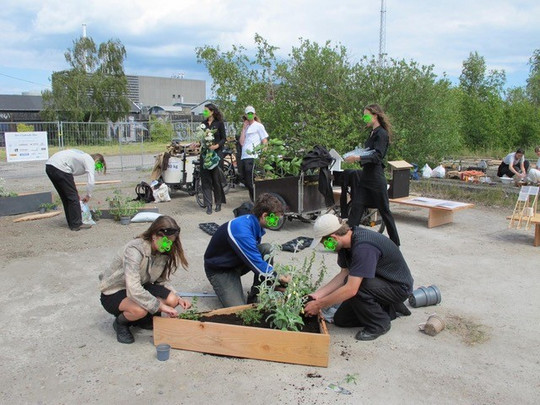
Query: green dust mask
column 164, row 244
column 330, row 244
column 367, row 118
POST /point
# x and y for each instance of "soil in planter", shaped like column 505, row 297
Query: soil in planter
column 311, row 323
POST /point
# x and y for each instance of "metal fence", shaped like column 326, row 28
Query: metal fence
column 129, row 145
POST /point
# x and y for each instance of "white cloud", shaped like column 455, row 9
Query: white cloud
column 160, row 34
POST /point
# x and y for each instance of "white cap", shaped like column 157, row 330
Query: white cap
column 324, row 225
column 249, row 109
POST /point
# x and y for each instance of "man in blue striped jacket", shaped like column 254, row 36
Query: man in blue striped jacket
column 236, row 249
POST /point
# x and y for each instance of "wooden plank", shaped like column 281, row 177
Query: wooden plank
column 432, row 203
column 101, row 182
column 37, row 216
column 244, row 341
column 536, row 241
column 438, row 217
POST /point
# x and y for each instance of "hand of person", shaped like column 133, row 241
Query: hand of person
column 312, row 308
column 85, row 199
column 168, row 310
column 352, row 159
column 284, row 279
column 214, row 147
column 183, row 303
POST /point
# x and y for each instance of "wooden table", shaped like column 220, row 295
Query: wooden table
column 440, row 211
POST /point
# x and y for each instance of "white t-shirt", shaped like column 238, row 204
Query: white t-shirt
column 255, row 134
column 75, row 162
column 510, row 159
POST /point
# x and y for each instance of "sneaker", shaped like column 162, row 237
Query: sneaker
column 218, row 207
column 123, row 334
column 365, row 334
column 209, row 210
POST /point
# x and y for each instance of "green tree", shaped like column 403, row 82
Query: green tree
column 533, row 82
column 482, row 105
column 94, row 88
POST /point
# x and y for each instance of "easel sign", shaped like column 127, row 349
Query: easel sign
column 26, row 146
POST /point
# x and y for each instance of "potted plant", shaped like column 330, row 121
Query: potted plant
column 282, row 309
column 122, row 208
column 46, row 207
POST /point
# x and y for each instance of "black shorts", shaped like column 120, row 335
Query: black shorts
column 112, row 302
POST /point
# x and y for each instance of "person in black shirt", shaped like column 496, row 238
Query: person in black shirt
column 373, row 282
column 211, row 178
column 372, row 189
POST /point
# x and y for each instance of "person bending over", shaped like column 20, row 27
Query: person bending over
column 373, row 282
column 236, row 249
column 61, row 168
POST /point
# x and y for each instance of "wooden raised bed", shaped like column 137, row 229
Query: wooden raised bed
column 244, row 341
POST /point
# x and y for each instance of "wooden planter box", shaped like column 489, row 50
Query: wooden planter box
column 23, row 203
column 244, row 341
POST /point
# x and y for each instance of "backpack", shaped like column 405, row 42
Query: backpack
column 244, row 209
column 144, row 192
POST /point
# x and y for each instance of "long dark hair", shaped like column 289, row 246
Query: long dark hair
column 176, row 254
column 217, row 114
column 377, row 110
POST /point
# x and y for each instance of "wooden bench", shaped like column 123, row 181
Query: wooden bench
column 536, row 222
column 440, row 211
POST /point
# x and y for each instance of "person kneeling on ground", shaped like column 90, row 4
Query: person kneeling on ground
column 373, row 282
column 514, row 164
column 136, row 285
column 235, row 249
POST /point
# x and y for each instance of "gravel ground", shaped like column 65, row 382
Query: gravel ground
column 57, row 345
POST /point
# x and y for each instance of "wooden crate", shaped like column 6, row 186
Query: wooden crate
column 244, row 341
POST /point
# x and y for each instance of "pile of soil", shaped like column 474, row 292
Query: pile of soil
column 311, row 323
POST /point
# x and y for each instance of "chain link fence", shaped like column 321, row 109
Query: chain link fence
column 126, row 145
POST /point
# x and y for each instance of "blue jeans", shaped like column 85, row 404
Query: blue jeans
column 228, row 283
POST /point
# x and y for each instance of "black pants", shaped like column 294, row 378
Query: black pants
column 373, row 305
column 64, row 183
column 505, row 169
column 246, row 167
column 211, row 180
column 357, row 209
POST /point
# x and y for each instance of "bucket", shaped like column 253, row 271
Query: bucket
column 163, row 351
column 425, row 296
column 173, row 174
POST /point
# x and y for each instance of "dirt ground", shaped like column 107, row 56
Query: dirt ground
column 57, row 344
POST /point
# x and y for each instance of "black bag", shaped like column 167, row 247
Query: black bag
column 244, row 209
column 144, row 192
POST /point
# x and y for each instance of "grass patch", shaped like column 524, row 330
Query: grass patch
column 471, row 333
column 495, row 196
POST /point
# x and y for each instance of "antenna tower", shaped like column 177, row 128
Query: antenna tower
column 382, row 33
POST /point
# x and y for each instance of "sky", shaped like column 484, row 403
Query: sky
column 160, row 36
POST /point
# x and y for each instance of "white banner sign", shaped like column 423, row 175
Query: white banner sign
column 26, row 146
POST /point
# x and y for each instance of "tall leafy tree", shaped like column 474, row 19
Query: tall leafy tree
column 94, row 88
column 533, row 82
column 482, row 105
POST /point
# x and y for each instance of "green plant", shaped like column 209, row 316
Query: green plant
column 191, row 314
column 49, row 206
column 250, row 316
column 286, row 304
column 276, row 160
column 122, row 206
column 3, row 191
